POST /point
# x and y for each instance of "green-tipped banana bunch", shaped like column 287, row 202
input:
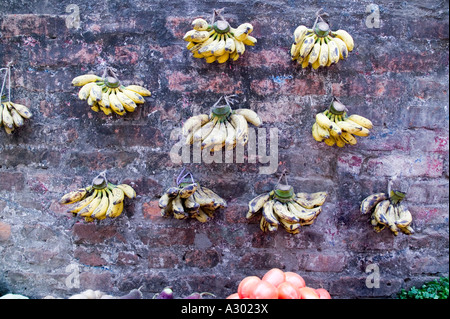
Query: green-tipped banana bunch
column 222, row 128
column 109, row 95
column 13, row 115
column 388, row 210
column 319, row 46
column 190, row 200
column 284, row 207
column 219, row 41
column 99, row 200
column 335, row 127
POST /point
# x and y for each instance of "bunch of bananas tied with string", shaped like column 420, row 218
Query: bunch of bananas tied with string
column 13, row 115
column 320, row 46
column 222, row 128
column 335, row 127
column 218, row 41
column 107, row 94
column 388, row 210
column 190, row 200
column 283, row 207
column 100, row 200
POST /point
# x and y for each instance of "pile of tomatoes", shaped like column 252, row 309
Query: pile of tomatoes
column 277, row 284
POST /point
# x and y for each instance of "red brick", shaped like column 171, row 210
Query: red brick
column 163, row 259
column 152, row 211
column 202, row 258
column 127, row 258
column 193, row 82
column 165, row 237
column 90, row 233
column 323, row 262
column 5, row 231
column 90, row 258
column 14, row 25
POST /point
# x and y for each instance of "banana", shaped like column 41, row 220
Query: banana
column 200, row 24
column 333, row 52
column 323, row 55
column 351, row 127
column 213, row 137
column 315, row 133
column 204, row 131
column 240, row 33
column 219, row 49
column 247, row 27
column 188, row 190
column 358, row 119
column 256, row 204
column 348, row 138
column 22, row 110
column 211, row 59
column 403, row 219
column 135, row 97
column 315, row 52
column 84, row 79
column 119, row 195
column 100, row 211
column 82, row 204
column 89, row 209
column 230, row 141
column 220, row 142
column 110, row 203
column 128, row 190
column 343, row 51
column 197, row 36
column 323, row 133
column 206, row 49
column 164, row 201
column 74, row 196
column 241, row 126
column 299, row 33
column 306, row 216
column 330, row 141
column 292, row 228
column 203, row 200
column 326, row 123
column 250, row 116
column 369, row 203
column 295, row 50
column 346, row 38
column 193, row 123
column 115, row 104
column 191, row 205
column 249, row 40
column 178, row 209
column 282, row 212
column 380, row 212
column 223, row 58
column 217, row 199
column 201, row 216
column 240, row 46
column 17, row 119
column 139, row 90
column 311, row 200
column 307, row 45
column 128, row 104
column 1, row 113
column 96, row 93
column 116, row 210
column 390, row 216
column 230, row 45
column 85, row 90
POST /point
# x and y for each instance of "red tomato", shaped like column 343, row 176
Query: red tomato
column 287, row 290
column 247, row 285
column 275, row 276
column 308, row 293
column 264, row 290
column 233, row 296
column 295, row 279
column 323, row 293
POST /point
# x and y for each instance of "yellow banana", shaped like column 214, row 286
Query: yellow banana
column 128, row 190
column 282, row 212
column 315, row 133
column 193, row 123
column 74, row 196
column 230, row 141
column 100, row 211
column 241, row 126
column 343, row 51
column 369, row 203
column 311, row 200
column 82, row 204
column 188, row 190
column 323, row 55
column 230, row 45
column 299, row 33
column 223, row 58
column 250, row 116
column 22, row 110
column 346, row 38
column 128, row 104
column 96, row 93
column 84, row 79
column 269, row 214
column 89, row 209
column 85, row 90
column 307, row 45
column 177, row 208
column 116, row 210
column 249, row 40
column 218, row 201
column 200, row 24
column 358, row 119
column 139, row 90
column 348, row 138
column 135, row 97
column 115, row 104
column 256, row 204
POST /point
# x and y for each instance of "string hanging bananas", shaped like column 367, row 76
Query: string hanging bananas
column 320, row 47
column 388, row 211
column 218, row 42
column 222, row 128
column 335, row 127
column 98, row 201
column 109, row 95
column 284, row 207
column 13, row 116
column 190, row 200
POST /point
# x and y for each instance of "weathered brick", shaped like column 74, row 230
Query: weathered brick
column 11, row 181
column 321, row 262
column 5, row 231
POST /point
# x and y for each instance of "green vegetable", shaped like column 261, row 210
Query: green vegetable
column 436, row 289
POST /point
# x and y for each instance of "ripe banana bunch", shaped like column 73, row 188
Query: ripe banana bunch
column 388, row 210
column 219, row 41
column 319, row 46
column 108, row 95
column 284, row 207
column 335, row 127
column 13, row 115
column 189, row 199
column 222, row 128
column 100, row 200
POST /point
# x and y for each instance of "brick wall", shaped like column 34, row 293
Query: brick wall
column 397, row 76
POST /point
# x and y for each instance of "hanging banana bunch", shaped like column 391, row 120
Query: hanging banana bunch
column 388, row 209
column 12, row 115
column 282, row 206
column 100, row 200
column 107, row 94
column 335, row 127
column 218, row 41
column 190, row 200
column 320, row 46
column 222, row 128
